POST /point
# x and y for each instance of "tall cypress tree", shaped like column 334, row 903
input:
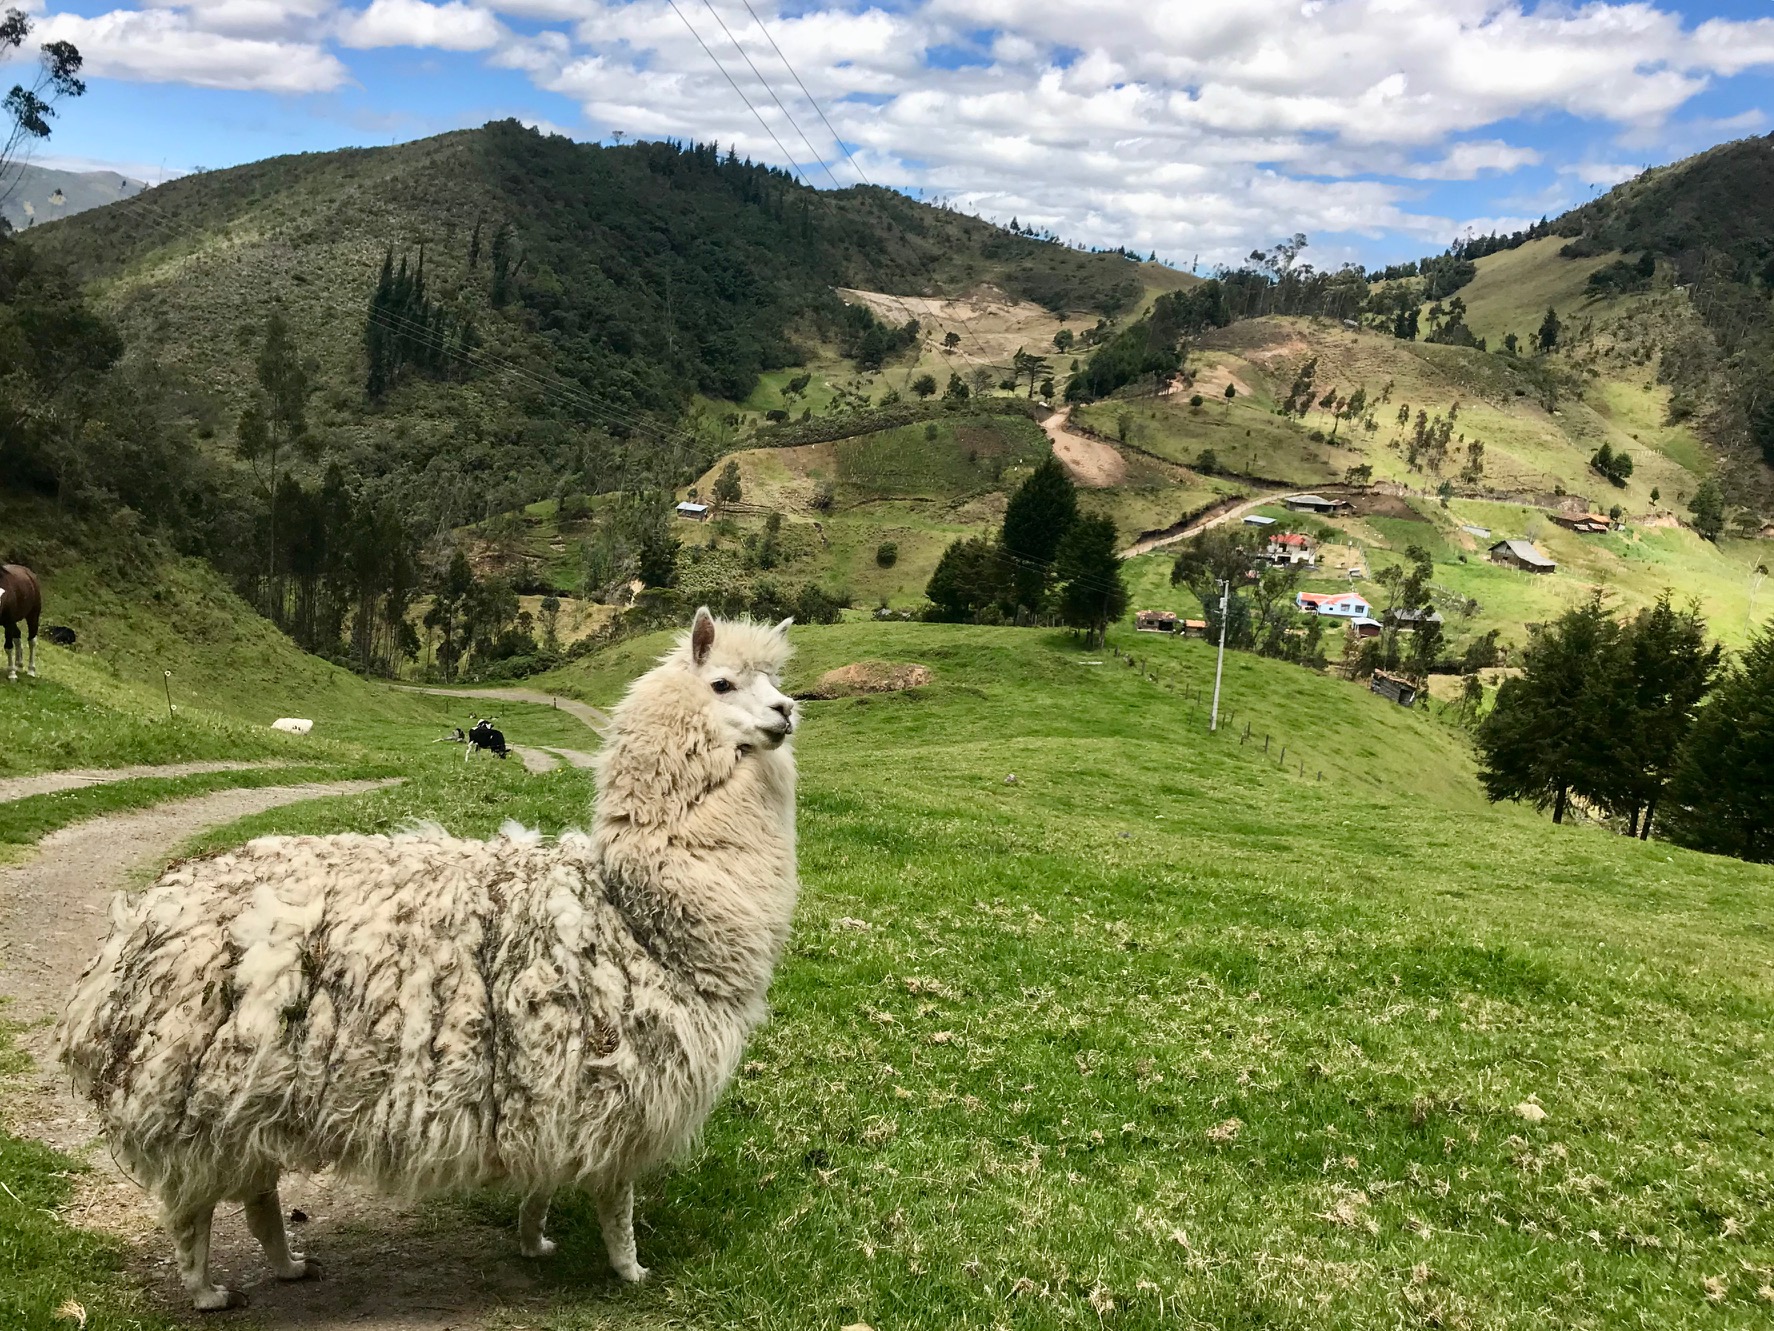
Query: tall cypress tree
column 1669, row 666
column 1039, row 514
column 1721, row 795
column 1092, row 594
column 1554, row 729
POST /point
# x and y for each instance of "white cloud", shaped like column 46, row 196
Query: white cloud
column 1198, row 127
column 1467, row 161
column 162, row 46
column 448, row 27
column 1604, row 175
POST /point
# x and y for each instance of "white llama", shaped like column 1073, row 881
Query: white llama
column 427, row 1013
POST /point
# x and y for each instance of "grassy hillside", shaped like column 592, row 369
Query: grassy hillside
column 139, row 612
column 1164, row 1024
column 606, row 287
column 1514, row 289
column 1539, row 421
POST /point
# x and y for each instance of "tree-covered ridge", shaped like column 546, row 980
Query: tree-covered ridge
column 1710, row 219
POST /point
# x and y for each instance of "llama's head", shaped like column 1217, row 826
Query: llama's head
column 713, row 704
column 739, row 664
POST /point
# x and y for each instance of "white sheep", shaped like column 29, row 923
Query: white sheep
column 427, row 1013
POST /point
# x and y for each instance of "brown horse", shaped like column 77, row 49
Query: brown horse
column 20, row 601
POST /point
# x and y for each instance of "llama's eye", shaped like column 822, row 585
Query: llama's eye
column 723, row 686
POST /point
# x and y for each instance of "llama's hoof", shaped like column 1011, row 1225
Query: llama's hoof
column 216, row 1298
column 539, row 1248
column 300, row 1268
column 633, row 1274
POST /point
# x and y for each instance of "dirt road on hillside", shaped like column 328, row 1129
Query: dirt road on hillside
column 1091, row 461
column 547, row 759
column 47, row 783
column 594, row 717
column 386, row 1266
column 1215, row 519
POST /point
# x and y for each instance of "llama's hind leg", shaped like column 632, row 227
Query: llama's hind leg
column 532, row 1215
column 264, row 1217
column 33, row 670
column 615, row 1215
column 189, row 1227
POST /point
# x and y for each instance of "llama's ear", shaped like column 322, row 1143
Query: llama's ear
column 702, row 635
column 782, row 628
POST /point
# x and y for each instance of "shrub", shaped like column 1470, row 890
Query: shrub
column 887, row 554
column 1195, row 399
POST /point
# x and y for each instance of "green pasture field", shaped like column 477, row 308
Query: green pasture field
column 1167, row 1032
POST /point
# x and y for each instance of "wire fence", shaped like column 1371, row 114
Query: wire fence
column 1260, row 739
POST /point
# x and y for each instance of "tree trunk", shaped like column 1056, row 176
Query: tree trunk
column 1644, row 832
column 1558, row 807
column 1632, row 824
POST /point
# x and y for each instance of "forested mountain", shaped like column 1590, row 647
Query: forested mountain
column 598, row 290
column 314, row 369
column 1710, row 220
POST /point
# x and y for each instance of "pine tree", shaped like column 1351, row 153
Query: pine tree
column 1669, row 667
column 1040, row 512
column 726, row 489
column 968, row 579
column 1721, row 794
column 1553, row 729
column 1092, row 595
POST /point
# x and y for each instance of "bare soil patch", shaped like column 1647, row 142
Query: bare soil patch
column 1092, row 462
column 47, row 783
column 861, row 677
column 992, row 325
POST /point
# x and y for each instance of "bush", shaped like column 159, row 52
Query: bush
column 887, row 554
column 1195, row 399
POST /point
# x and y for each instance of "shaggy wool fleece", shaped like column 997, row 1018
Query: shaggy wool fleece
column 427, row 1012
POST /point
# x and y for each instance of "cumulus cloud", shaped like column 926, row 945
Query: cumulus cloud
column 455, row 26
column 164, row 46
column 1190, row 129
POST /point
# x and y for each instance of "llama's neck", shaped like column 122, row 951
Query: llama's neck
column 698, row 850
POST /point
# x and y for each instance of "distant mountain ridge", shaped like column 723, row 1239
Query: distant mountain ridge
column 605, row 289
column 38, row 194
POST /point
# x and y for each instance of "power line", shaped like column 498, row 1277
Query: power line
column 808, row 144
column 917, row 256
column 787, row 156
column 844, row 148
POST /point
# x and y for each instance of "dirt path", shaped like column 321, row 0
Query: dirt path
column 386, row 1266
column 547, row 758
column 46, row 783
column 1091, row 461
column 1225, row 515
column 594, row 717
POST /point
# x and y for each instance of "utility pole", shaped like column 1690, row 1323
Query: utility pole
column 1220, row 666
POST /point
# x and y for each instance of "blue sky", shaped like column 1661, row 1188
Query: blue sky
column 1380, row 128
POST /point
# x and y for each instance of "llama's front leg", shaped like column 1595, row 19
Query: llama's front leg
column 11, row 664
column 190, row 1236
column 532, row 1215
column 264, row 1217
column 615, row 1216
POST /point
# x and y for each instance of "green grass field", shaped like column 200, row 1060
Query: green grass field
column 1168, row 1030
